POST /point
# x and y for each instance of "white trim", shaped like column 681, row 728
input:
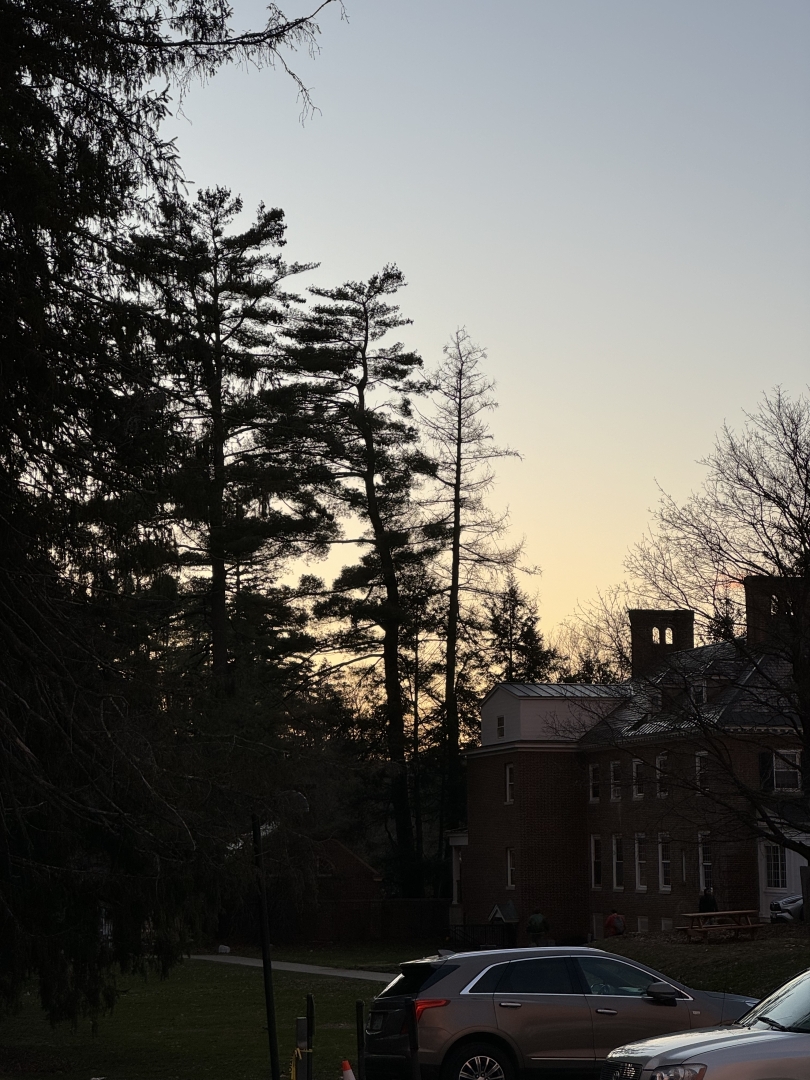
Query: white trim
column 643, row 838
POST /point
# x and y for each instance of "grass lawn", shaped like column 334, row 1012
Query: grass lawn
column 205, row 1020
column 740, row 967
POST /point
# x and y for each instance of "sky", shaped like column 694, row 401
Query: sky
column 610, row 195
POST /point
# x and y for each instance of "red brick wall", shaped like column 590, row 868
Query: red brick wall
column 545, row 826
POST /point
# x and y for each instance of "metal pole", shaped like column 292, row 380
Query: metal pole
column 359, row 1008
column 310, row 1033
column 267, row 967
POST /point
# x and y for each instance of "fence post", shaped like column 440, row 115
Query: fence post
column 310, row 1034
column 267, row 967
column 359, row 1007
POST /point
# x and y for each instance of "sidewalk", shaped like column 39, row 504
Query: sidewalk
column 304, row 969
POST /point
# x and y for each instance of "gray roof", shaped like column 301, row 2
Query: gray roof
column 564, row 690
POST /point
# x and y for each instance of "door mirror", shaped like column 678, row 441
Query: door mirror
column 662, row 993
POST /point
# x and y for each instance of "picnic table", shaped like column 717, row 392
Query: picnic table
column 702, row 924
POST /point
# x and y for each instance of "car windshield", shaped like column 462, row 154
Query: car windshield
column 787, row 1007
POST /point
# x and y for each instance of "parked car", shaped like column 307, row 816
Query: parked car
column 772, row 1040
column 492, row 1015
column 788, row 909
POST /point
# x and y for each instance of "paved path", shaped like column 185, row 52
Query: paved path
column 304, row 969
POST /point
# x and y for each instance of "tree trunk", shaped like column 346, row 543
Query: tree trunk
column 216, row 512
column 390, row 620
column 455, row 787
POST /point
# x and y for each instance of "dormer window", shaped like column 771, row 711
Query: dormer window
column 697, row 692
column 499, row 726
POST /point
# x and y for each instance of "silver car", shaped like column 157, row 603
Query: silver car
column 554, row 1012
column 771, row 1042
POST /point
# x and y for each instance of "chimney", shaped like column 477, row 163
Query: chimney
column 654, row 635
column 775, row 609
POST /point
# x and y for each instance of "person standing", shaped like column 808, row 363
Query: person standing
column 707, row 901
column 614, row 924
column 538, row 928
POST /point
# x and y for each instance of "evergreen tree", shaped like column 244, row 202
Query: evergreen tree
column 370, row 444
column 241, row 494
column 517, row 651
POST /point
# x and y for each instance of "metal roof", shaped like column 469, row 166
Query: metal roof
column 564, row 690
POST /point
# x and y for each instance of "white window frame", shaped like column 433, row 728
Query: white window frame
column 782, row 857
column 615, row 781
column 500, row 726
column 510, row 868
column 663, row 838
column 780, row 759
column 596, row 842
column 643, row 924
column 618, row 849
column 704, row 860
column 639, row 846
column 593, row 781
column 509, row 783
column 701, row 771
column 638, row 778
column 661, row 782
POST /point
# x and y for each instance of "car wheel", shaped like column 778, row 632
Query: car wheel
column 478, row 1061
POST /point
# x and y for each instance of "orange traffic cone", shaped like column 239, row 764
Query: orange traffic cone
column 347, row 1071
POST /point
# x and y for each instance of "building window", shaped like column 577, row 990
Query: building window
column 593, row 783
column 615, row 780
column 664, row 866
column 775, row 867
column 666, row 924
column 643, row 924
column 697, row 692
column 500, row 726
column 787, row 771
column 638, row 779
column 509, row 783
column 596, row 862
column 701, row 770
column 661, row 782
column 656, row 636
column 705, row 861
column 641, row 862
column 668, row 635
column 510, row 868
column 618, row 863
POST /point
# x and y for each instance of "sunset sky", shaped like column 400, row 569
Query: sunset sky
column 613, row 196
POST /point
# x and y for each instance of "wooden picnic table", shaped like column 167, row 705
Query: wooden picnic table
column 704, row 923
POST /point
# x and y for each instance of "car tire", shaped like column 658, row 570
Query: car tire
column 478, row 1061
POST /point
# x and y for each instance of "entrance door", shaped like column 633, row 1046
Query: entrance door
column 540, row 1006
column 620, row 1011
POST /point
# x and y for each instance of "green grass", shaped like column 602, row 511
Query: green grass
column 205, row 1020
column 740, row 967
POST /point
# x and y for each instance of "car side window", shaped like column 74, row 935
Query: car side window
column 613, row 978
column 488, row 982
column 549, row 975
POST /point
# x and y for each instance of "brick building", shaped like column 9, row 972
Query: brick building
column 583, row 799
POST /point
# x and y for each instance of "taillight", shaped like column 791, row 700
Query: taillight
column 429, row 1003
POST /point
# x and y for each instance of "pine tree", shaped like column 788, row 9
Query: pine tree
column 370, row 444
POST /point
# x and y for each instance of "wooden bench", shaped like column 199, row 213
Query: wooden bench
column 704, row 924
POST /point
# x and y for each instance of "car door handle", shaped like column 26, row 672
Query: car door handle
column 509, row 1004
column 608, row 1012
